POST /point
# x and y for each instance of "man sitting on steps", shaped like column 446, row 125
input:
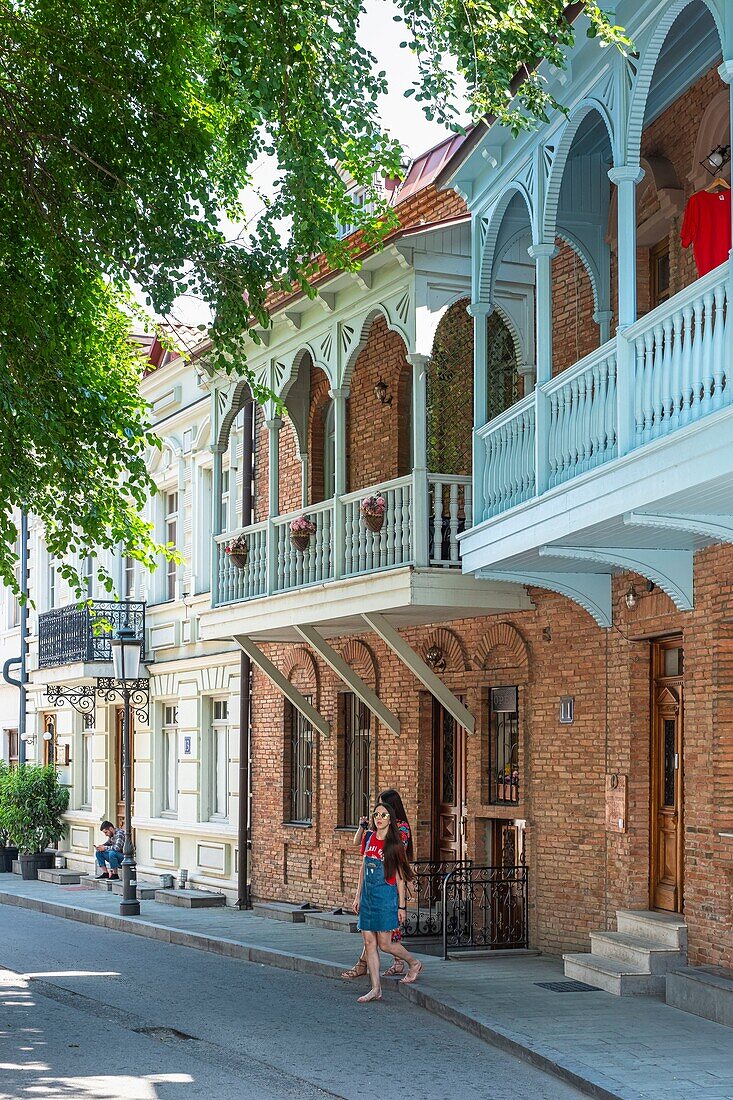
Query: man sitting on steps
column 111, row 851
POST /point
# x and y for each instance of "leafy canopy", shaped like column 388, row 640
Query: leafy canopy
column 129, row 132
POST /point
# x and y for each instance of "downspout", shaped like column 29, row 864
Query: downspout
column 244, row 900
column 23, row 636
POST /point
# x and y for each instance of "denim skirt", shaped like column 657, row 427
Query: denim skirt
column 378, row 902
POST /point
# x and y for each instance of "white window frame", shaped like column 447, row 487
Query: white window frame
column 170, row 535
column 219, row 758
column 128, row 577
column 87, row 763
column 169, row 760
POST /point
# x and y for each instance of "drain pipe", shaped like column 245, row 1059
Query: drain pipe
column 244, row 900
column 23, row 637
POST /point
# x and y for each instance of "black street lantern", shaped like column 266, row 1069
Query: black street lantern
column 126, row 651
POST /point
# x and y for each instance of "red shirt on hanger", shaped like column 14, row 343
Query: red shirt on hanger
column 706, row 226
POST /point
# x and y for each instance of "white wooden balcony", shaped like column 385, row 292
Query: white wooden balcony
column 410, row 569
column 623, row 461
column 342, row 545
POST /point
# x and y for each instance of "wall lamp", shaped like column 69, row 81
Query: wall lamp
column 716, row 159
column 631, row 598
column 382, row 394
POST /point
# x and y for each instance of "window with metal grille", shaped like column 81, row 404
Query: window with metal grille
column 504, row 746
column 502, row 375
column 171, row 538
column 220, row 759
column 356, row 756
column 11, row 739
column 170, row 759
column 300, row 761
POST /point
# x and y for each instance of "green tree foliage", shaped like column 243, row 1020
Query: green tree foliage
column 129, row 130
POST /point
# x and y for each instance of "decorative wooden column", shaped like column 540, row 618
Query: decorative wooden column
column 480, row 311
column 215, row 524
column 420, row 503
column 339, row 396
column 273, row 426
column 625, row 178
column 542, row 255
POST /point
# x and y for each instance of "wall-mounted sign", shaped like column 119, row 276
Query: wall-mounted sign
column 504, row 700
column 567, row 709
column 187, row 746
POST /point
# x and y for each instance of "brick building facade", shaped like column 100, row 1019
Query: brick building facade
column 582, row 866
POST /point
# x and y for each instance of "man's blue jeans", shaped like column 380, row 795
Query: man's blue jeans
column 110, row 856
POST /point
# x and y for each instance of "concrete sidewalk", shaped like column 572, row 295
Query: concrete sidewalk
column 629, row 1048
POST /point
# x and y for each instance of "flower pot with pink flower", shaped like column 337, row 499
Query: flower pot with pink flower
column 372, row 510
column 301, row 530
column 237, row 551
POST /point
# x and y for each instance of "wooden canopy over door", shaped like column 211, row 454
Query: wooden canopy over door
column 667, row 832
column 449, row 757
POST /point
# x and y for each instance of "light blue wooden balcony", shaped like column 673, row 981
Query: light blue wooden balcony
column 342, row 546
column 632, row 468
column 673, row 374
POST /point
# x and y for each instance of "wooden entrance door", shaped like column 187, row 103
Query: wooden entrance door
column 120, row 764
column 666, row 777
column 449, row 756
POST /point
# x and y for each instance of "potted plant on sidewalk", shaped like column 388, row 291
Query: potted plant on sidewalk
column 301, row 530
column 32, row 805
column 238, row 551
column 372, row 509
column 8, row 850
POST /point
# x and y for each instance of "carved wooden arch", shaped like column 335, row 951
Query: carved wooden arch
column 359, row 656
column 647, row 64
column 301, row 659
column 449, row 645
column 502, row 646
column 365, row 331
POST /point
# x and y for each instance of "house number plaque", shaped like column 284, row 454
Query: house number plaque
column 616, row 807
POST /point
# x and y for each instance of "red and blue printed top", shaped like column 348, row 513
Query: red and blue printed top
column 372, row 846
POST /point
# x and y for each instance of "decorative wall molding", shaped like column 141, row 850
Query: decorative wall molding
column 502, row 646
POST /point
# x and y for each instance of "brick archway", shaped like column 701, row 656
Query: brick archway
column 502, row 646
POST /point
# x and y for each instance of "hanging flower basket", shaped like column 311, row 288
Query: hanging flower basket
column 372, row 510
column 301, row 530
column 238, row 551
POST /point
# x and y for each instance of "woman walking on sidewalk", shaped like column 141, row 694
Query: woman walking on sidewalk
column 380, row 896
column 392, row 798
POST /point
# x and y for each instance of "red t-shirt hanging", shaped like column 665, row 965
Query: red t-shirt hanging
column 371, row 845
column 706, row 226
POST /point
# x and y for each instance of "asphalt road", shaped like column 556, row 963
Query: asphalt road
column 90, row 1013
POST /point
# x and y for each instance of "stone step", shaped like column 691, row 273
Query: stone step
column 92, row 883
column 282, row 910
column 190, row 899
column 662, row 929
column 641, row 955
column 142, row 892
column 61, row 878
column 705, row 991
column 612, row 975
column 334, row 921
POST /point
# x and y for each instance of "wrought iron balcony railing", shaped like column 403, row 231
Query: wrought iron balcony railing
column 72, row 635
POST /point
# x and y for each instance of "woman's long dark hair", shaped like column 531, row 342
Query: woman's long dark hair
column 395, row 857
column 392, row 798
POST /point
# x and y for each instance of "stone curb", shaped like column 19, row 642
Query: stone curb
column 303, row 964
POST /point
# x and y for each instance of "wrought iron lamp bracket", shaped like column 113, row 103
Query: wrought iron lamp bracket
column 82, row 698
column 110, row 690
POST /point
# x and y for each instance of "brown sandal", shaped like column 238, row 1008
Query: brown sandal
column 357, row 971
column 395, row 970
